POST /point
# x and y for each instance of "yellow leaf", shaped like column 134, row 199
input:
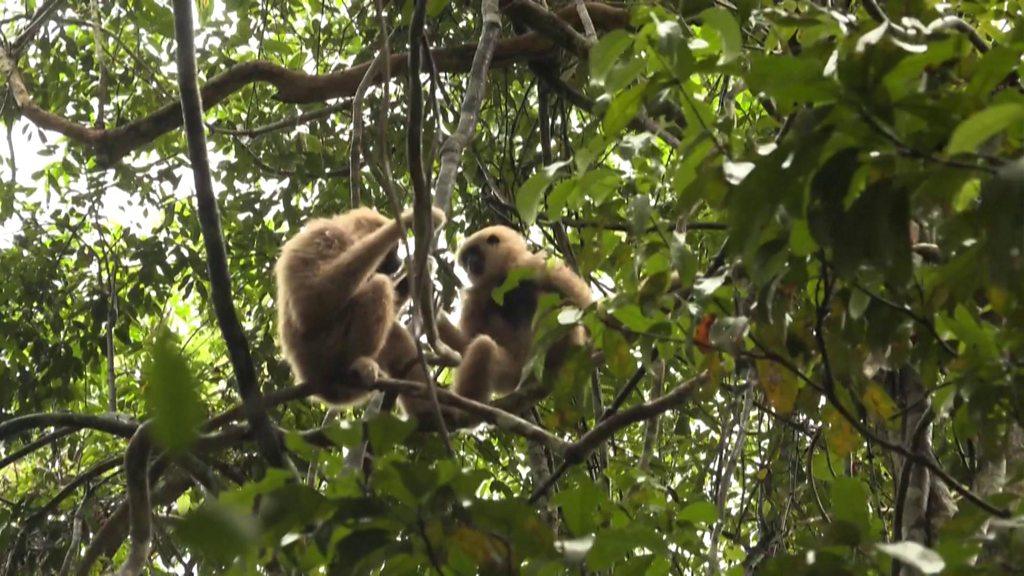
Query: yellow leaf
column 482, row 548
column 840, row 435
column 878, row 403
column 779, row 385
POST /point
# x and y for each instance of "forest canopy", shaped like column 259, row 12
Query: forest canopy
column 802, row 223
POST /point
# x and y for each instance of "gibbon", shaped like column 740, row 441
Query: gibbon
column 336, row 304
column 494, row 339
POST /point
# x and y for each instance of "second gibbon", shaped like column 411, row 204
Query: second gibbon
column 336, row 305
column 495, row 339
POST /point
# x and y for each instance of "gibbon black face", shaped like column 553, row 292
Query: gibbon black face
column 473, row 260
column 391, row 263
column 489, row 254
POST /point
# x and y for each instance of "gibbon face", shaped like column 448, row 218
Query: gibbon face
column 490, row 253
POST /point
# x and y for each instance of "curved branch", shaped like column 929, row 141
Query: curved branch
column 136, row 472
column 292, row 86
column 112, row 424
column 213, row 239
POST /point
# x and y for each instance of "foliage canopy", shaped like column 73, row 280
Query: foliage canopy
column 804, row 222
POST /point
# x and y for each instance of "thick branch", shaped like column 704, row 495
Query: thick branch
column 213, row 239
column 136, row 471
column 292, row 86
column 117, row 425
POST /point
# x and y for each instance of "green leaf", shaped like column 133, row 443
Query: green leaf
column 632, row 317
column 981, row 126
column 850, row 504
column 599, row 183
column 914, row 554
column 386, row 430
column 580, row 507
column 606, row 52
column 623, row 109
column 859, row 302
column 530, row 195
column 701, row 512
column 722, row 22
column 218, row 532
column 172, row 392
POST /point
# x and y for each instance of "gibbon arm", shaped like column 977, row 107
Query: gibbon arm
column 351, row 268
column 343, row 275
column 451, row 335
column 563, row 280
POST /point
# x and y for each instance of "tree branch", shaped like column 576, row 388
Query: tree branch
column 136, row 471
column 111, row 424
column 213, row 239
column 578, row 451
column 292, row 86
column 484, row 412
column 36, row 444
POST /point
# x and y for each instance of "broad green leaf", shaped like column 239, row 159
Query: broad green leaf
column 841, row 436
column 530, row 196
column 606, row 52
column 599, row 183
column 218, row 532
column 172, row 392
column 878, row 403
column 623, row 109
column 513, row 279
column 850, row 503
column 700, row 512
column 722, row 22
column 580, row 506
column 981, row 126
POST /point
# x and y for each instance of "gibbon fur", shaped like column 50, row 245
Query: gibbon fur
column 336, row 305
column 495, row 339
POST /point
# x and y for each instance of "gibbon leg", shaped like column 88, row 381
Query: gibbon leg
column 485, row 367
column 371, row 312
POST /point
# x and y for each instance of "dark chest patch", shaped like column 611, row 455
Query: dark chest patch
column 520, row 304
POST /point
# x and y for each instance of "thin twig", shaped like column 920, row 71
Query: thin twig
column 483, row 412
column 99, row 49
column 41, row 442
column 289, row 122
column 213, row 239
column 355, row 141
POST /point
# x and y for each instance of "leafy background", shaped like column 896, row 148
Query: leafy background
column 818, row 204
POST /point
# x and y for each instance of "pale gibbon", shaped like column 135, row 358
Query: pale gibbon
column 495, row 339
column 336, row 305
